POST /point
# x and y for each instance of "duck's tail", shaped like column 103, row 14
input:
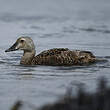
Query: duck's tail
column 100, row 60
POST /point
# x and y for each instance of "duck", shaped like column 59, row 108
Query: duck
column 51, row 57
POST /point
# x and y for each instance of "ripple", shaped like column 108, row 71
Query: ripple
column 12, row 17
column 95, row 30
column 87, row 28
column 37, row 27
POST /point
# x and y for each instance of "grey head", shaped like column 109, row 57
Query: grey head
column 23, row 43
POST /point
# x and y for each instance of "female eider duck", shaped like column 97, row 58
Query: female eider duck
column 52, row 57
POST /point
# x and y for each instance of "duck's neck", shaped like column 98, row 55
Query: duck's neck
column 27, row 57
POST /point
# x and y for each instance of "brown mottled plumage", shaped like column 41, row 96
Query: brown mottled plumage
column 53, row 57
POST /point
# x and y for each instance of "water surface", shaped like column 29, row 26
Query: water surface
column 73, row 24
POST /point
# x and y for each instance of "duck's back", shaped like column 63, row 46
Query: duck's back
column 63, row 57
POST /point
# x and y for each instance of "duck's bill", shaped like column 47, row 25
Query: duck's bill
column 12, row 48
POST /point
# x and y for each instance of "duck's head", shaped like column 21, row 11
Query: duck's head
column 22, row 43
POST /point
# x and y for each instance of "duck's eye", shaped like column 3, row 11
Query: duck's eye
column 22, row 41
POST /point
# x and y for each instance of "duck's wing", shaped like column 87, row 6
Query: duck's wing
column 62, row 56
column 53, row 51
column 55, row 56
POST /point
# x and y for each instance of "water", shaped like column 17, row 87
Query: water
column 74, row 24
